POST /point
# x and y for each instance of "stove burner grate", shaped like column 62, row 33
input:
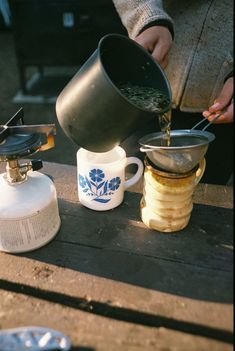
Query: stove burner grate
column 18, row 139
column 19, row 145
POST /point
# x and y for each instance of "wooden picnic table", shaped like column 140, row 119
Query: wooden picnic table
column 110, row 283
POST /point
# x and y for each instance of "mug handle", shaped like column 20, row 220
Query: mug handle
column 200, row 171
column 136, row 177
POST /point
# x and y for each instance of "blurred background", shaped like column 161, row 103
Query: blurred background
column 42, row 45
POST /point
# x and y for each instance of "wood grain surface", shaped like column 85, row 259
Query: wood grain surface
column 110, row 283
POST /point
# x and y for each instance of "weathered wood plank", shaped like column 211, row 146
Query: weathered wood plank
column 91, row 332
column 203, row 243
column 133, row 281
column 163, row 275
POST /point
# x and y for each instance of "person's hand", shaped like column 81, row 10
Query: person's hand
column 223, row 102
column 157, row 40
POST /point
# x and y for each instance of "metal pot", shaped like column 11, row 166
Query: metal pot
column 91, row 109
column 187, row 148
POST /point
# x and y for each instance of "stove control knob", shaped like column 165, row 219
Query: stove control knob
column 36, row 164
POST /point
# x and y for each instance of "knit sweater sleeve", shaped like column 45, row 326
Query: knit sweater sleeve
column 138, row 14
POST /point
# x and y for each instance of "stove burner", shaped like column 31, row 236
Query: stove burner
column 19, row 145
column 19, row 140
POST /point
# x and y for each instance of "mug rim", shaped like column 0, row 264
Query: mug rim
column 122, row 151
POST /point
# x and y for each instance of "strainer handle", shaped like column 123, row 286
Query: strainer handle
column 146, row 149
column 213, row 120
column 205, row 119
column 198, row 124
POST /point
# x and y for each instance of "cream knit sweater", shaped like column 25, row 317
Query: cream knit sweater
column 202, row 51
column 136, row 14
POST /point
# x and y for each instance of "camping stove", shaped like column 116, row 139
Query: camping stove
column 29, row 215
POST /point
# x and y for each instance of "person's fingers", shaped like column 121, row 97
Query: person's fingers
column 157, row 40
column 207, row 113
column 226, row 117
column 223, row 103
column 159, row 53
column 224, row 97
column 164, row 62
column 223, row 119
column 146, row 43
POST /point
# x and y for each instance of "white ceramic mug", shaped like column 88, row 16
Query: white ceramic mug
column 101, row 177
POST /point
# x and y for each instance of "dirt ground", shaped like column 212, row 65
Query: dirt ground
column 35, row 113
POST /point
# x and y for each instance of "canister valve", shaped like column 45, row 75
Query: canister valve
column 18, row 172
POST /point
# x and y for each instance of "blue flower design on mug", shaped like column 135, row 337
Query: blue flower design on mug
column 96, row 175
column 114, row 183
column 97, row 187
column 82, row 181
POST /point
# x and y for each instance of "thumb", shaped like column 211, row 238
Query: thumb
column 224, row 97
